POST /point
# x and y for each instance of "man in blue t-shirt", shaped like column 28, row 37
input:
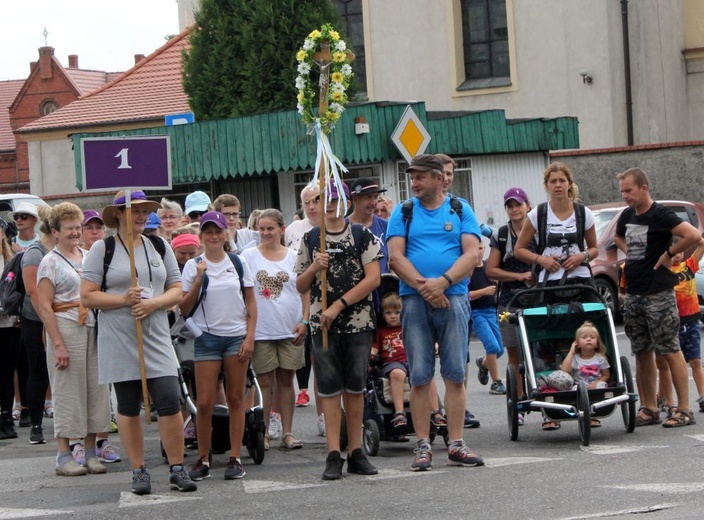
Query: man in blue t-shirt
column 432, row 248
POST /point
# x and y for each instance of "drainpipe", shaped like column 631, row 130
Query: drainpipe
column 627, row 71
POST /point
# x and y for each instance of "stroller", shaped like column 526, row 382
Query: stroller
column 546, row 333
column 255, row 427
column 378, row 406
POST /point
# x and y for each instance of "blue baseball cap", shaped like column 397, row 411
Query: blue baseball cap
column 197, row 201
column 153, row 221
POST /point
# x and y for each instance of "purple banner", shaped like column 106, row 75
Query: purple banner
column 126, row 162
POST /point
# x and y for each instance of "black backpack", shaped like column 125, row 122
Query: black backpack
column 12, row 291
column 579, row 216
column 314, row 239
column 407, row 211
column 158, row 242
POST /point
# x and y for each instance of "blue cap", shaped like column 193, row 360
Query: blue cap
column 153, row 221
column 197, row 201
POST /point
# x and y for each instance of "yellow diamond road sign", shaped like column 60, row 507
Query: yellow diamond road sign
column 410, row 136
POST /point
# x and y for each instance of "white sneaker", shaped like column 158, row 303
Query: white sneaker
column 275, row 426
column 321, row 425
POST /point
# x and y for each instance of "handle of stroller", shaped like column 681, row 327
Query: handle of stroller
column 584, row 288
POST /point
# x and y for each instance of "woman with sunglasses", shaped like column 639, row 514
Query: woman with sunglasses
column 32, row 327
column 25, row 218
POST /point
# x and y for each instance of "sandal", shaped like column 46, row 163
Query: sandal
column 551, row 426
column 16, row 412
column 289, row 442
column 646, row 417
column 49, row 410
column 437, row 419
column 399, row 420
column 679, row 418
column 266, row 442
column 596, row 423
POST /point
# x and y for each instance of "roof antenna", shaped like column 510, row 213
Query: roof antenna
column 45, row 33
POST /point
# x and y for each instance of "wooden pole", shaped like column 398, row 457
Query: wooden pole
column 138, row 323
column 323, row 58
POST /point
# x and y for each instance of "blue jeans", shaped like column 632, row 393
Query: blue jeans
column 423, row 326
column 485, row 324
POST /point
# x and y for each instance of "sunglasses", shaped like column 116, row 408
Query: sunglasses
column 314, row 200
column 20, row 216
column 196, row 214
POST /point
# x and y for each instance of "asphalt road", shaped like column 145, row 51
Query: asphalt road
column 544, row 475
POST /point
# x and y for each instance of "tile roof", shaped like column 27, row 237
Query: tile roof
column 90, row 80
column 148, row 91
column 8, row 93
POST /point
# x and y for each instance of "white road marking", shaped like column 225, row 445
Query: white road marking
column 696, row 437
column 606, row 449
column 386, row 474
column 265, row 486
column 129, row 499
column 7, row 513
column 511, row 461
column 678, row 488
column 647, row 509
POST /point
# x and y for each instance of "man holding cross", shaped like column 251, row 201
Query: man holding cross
column 433, row 247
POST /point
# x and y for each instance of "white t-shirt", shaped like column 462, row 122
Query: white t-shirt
column 279, row 307
column 222, row 311
column 561, row 240
column 294, row 232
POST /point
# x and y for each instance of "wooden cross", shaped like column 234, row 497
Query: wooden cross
column 323, row 58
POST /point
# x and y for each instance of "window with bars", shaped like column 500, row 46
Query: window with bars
column 485, row 42
column 461, row 185
column 351, row 14
column 301, row 179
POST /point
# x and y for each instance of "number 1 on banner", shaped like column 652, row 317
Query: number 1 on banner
column 124, row 160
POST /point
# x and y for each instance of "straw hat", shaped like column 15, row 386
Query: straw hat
column 137, row 197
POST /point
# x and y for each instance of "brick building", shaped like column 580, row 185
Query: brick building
column 48, row 87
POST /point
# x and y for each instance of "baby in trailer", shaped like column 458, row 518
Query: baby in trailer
column 586, row 361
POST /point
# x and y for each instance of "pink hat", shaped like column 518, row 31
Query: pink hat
column 186, row 239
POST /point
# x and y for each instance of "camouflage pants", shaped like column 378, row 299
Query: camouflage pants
column 652, row 322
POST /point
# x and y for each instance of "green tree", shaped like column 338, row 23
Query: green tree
column 242, row 54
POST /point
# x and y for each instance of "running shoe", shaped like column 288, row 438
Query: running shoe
column 107, row 453
column 483, row 374
column 36, row 436
column 423, row 460
column 141, row 481
column 234, row 469
column 459, row 454
column 303, row 399
column 179, row 479
column 275, row 426
column 199, row 471
column 497, row 388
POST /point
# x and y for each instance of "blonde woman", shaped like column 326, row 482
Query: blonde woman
column 81, row 406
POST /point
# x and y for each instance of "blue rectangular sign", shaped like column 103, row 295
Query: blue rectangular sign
column 179, row 119
column 126, row 162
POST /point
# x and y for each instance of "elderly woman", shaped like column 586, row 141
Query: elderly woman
column 121, row 304
column 81, row 407
column 170, row 214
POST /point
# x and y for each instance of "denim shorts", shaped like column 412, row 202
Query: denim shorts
column 485, row 324
column 209, row 347
column 691, row 341
column 423, row 326
column 344, row 366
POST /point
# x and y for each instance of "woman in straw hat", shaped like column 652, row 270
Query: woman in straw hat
column 121, row 305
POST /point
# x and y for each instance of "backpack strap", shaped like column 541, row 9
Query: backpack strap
column 357, row 238
column 542, row 227
column 407, row 214
column 107, row 258
column 158, row 243
column 203, row 291
column 503, row 242
column 313, row 239
column 235, row 259
column 580, row 213
column 456, row 205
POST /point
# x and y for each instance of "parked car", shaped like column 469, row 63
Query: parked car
column 10, row 201
column 605, row 267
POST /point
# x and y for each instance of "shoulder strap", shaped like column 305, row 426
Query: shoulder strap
column 456, row 205
column 357, row 237
column 159, row 244
column 107, row 258
column 503, row 241
column 235, row 259
column 580, row 215
column 542, row 226
column 407, row 214
column 203, row 291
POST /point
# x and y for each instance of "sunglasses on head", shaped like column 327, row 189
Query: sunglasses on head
column 313, row 199
column 20, row 216
column 196, row 214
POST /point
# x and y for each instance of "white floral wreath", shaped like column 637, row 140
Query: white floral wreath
column 340, row 76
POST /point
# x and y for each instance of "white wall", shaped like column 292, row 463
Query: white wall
column 51, row 168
